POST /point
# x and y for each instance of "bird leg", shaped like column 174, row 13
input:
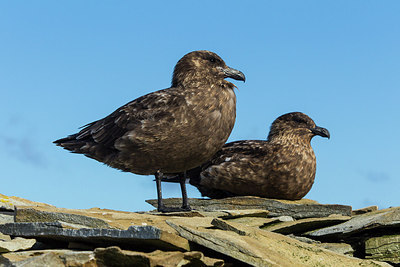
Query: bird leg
column 185, row 204
column 160, row 206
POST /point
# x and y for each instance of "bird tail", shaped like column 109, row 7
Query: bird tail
column 70, row 143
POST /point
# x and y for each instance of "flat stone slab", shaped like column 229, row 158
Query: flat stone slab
column 297, row 209
column 54, row 257
column 16, row 244
column 260, row 248
column 383, row 248
column 112, row 255
column 304, row 225
column 134, row 235
column 33, row 215
column 381, row 219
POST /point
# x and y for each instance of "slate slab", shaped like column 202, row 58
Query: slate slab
column 51, row 258
column 16, row 244
column 261, row 248
column 381, row 219
column 295, row 209
column 33, row 215
column 114, row 256
column 383, row 248
column 304, row 225
column 134, row 235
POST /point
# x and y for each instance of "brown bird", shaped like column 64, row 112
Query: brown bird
column 170, row 130
column 283, row 167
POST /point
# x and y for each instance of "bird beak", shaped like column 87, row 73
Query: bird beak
column 321, row 132
column 234, row 74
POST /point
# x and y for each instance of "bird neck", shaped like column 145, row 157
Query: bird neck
column 290, row 139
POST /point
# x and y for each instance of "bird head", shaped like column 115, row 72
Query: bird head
column 296, row 125
column 203, row 67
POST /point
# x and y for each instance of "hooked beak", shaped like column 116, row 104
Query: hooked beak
column 234, row 74
column 321, row 132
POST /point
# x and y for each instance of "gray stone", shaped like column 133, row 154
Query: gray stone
column 259, row 247
column 383, row 248
column 276, row 208
column 76, row 221
column 134, row 235
column 381, row 219
column 304, row 225
column 16, row 244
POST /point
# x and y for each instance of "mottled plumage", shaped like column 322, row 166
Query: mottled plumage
column 282, row 167
column 170, row 130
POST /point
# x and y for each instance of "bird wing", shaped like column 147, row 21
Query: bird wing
column 148, row 107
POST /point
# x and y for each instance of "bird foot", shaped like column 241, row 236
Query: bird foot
column 164, row 209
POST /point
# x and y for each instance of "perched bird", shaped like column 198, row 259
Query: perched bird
column 282, row 167
column 170, row 130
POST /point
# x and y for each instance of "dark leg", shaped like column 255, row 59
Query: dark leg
column 185, row 204
column 160, row 206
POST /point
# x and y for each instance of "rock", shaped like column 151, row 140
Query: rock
column 364, row 210
column 259, row 247
column 304, row 239
column 304, row 225
column 381, row 219
column 76, row 221
column 114, row 256
column 16, row 244
column 5, row 204
column 4, row 218
column 253, row 221
column 135, row 235
column 297, row 209
column 12, row 202
column 383, row 248
column 4, row 237
column 233, row 214
column 341, row 248
column 285, row 218
column 40, row 258
column 224, row 225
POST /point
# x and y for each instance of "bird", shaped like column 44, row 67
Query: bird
column 170, row 130
column 281, row 167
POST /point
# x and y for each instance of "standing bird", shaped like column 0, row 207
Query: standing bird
column 283, row 167
column 170, row 130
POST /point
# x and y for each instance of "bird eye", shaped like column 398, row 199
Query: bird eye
column 212, row 60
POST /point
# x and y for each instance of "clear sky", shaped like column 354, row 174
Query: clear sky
column 68, row 63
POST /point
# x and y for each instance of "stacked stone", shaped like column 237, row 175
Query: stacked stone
column 233, row 231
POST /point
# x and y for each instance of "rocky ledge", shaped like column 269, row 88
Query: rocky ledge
column 241, row 231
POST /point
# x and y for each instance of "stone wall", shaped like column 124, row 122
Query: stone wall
column 241, row 231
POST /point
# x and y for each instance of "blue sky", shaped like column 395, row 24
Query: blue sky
column 67, row 63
